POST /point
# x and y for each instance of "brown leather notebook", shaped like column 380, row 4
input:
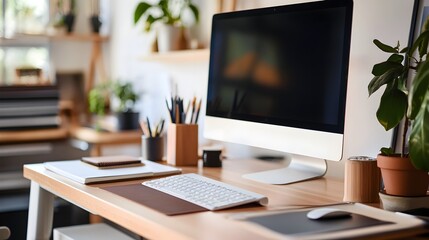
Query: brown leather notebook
column 155, row 199
column 112, row 161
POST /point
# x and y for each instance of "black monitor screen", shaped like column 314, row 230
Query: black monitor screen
column 284, row 65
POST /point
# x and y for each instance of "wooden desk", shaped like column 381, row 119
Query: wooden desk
column 154, row 225
column 151, row 224
column 100, row 139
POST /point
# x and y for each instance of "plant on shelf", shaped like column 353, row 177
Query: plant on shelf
column 404, row 101
column 122, row 91
column 98, row 101
column 170, row 12
column 127, row 97
column 172, row 15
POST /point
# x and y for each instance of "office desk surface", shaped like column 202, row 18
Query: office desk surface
column 204, row 225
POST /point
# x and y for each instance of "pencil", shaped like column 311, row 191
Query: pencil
column 144, row 128
column 148, row 127
column 193, row 109
column 198, row 111
column 169, row 111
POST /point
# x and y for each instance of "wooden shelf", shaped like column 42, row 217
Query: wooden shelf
column 179, row 56
column 14, row 136
column 64, row 37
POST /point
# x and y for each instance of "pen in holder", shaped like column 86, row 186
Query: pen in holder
column 152, row 148
column 182, row 144
column 152, row 141
column 182, row 137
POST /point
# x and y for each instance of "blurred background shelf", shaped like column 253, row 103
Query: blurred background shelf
column 179, row 56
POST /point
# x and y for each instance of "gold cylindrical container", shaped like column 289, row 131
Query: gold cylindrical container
column 361, row 180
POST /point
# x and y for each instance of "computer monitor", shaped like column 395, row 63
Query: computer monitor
column 278, row 80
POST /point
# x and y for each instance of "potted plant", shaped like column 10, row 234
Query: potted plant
column 99, row 103
column 170, row 13
column 404, row 173
column 127, row 118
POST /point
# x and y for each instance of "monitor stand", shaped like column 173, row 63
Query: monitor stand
column 300, row 169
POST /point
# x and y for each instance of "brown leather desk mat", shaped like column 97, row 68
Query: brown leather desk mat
column 154, row 199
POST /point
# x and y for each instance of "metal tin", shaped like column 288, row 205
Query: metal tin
column 361, row 158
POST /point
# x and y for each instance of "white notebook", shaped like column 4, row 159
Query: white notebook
column 85, row 173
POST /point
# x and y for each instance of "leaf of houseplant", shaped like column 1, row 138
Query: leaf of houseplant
column 384, row 47
column 393, row 106
column 380, row 68
column 195, row 11
column 395, row 58
column 423, row 46
column 422, row 37
column 419, row 142
column 140, row 10
column 418, row 90
column 149, row 21
column 388, row 77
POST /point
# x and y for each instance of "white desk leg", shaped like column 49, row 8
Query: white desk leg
column 40, row 213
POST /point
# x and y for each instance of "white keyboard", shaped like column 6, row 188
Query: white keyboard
column 205, row 192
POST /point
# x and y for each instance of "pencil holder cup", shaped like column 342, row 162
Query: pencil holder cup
column 182, row 144
column 152, row 148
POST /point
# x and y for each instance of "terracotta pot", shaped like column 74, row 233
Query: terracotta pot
column 401, row 178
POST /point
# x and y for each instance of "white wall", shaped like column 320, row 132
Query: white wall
column 75, row 55
column 387, row 20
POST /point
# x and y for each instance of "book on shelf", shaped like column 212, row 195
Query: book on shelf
column 29, row 92
column 28, row 122
column 29, row 107
column 85, row 173
column 29, row 111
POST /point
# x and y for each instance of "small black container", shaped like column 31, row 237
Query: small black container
column 95, row 22
column 152, row 148
column 128, row 120
column 211, row 158
column 69, row 22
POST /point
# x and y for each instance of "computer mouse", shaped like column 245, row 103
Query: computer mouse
column 327, row 213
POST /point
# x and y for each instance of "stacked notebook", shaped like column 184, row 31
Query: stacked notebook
column 102, row 169
column 29, row 107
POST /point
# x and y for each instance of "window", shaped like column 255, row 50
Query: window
column 18, row 19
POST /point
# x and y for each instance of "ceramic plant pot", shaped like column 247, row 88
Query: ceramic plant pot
column 95, row 23
column 69, row 22
column 128, row 120
column 171, row 38
column 401, row 178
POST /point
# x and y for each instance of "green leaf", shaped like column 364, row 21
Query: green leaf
column 388, row 77
column 149, row 21
column 419, row 138
column 423, row 46
column 419, row 40
column 140, row 11
column 380, row 68
column 393, row 106
column 404, row 50
column 195, row 11
column 402, row 84
column 418, row 90
column 395, row 58
column 387, row 151
column 385, row 48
